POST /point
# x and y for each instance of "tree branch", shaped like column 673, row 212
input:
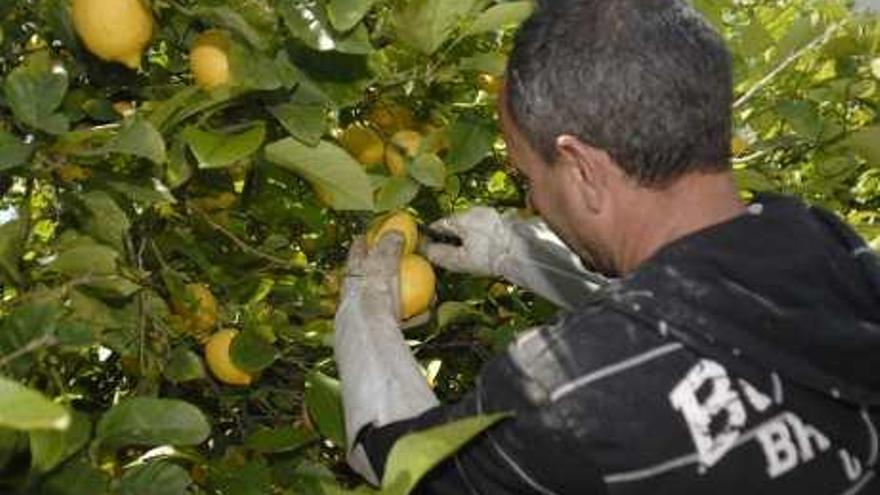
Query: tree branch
column 791, row 59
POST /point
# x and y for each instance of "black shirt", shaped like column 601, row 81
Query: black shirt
column 744, row 358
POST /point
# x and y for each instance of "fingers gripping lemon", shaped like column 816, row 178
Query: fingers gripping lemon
column 114, row 30
column 219, row 360
column 402, row 222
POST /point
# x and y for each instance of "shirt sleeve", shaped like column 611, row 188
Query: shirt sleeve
column 531, row 452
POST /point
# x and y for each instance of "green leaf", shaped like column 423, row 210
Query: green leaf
column 183, row 365
column 220, row 150
column 155, row 478
column 491, row 63
column 415, row 454
column 308, row 22
column 86, row 260
column 151, row 422
column 13, row 152
column 35, row 89
column 501, row 16
column 11, row 246
column 137, row 137
column 278, row 440
column 50, row 448
column 252, row 353
column 426, row 24
column 428, row 169
column 251, row 478
column 103, row 219
column 306, row 122
column 752, row 180
column 345, row 14
column 327, row 167
column 22, row 408
column 395, row 193
column 452, row 312
column 251, row 69
column 11, row 445
column 803, row 118
column 76, row 478
column 471, row 139
column 230, row 19
column 324, row 403
column 866, row 142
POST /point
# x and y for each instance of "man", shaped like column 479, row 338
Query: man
column 737, row 349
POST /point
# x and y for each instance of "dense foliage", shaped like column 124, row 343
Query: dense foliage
column 144, row 210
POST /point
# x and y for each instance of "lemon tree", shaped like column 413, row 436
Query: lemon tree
column 181, row 180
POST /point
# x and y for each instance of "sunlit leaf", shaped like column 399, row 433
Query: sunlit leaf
column 429, row 170
column 23, row 408
column 49, row 448
column 324, row 403
column 35, row 89
column 426, row 24
column 500, row 16
column 326, row 166
column 415, row 454
column 345, row 14
column 395, row 193
column 151, row 422
column 218, row 150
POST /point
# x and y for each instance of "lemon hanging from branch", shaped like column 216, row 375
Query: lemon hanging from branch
column 209, row 59
column 114, row 30
column 219, row 360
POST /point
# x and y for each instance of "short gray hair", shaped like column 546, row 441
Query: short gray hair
column 648, row 81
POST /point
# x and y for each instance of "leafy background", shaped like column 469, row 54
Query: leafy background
column 120, row 186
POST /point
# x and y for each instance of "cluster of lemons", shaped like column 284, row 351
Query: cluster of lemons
column 120, row 31
column 198, row 311
column 416, row 277
column 391, row 136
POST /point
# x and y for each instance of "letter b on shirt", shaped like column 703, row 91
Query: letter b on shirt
column 713, row 410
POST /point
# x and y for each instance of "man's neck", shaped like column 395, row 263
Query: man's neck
column 690, row 204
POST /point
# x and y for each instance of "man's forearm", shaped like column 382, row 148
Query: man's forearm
column 381, row 381
column 542, row 263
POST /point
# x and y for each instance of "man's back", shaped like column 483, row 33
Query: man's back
column 695, row 374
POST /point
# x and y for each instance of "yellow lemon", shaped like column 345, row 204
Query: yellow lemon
column 220, row 362
column 417, row 285
column 72, row 173
column 323, row 195
column 209, row 59
column 404, row 144
column 408, row 140
column 114, row 30
column 390, row 117
column 738, row 145
column 489, row 83
column 400, row 221
column 363, row 143
column 198, row 309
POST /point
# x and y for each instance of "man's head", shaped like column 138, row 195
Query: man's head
column 608, row 99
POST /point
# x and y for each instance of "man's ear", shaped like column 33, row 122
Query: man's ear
column 588, row 166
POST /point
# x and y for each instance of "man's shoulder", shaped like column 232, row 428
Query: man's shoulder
column 595, row 344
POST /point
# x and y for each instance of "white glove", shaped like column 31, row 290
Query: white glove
column 381, row 381
column 524, row 251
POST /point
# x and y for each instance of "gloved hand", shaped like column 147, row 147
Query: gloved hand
column 381, row 381
column 524, row 251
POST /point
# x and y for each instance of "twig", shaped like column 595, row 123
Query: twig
column 33, row 345
column 242, row 244
column 791, row 59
